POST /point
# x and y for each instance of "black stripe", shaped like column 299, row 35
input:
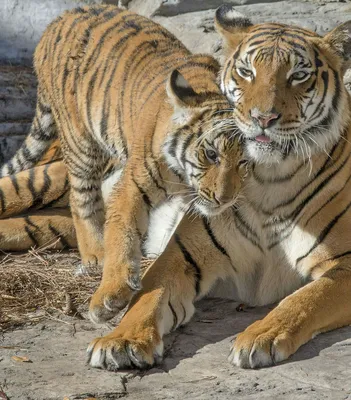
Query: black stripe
column 89, row 98
column 53, row 202
column 145, row 197
column 321, row 104
column 328, row 201
column 97, row 49
column 2, row 200
column 244, row 229
column 31, row 236
column 189, row 259
column 300, row 207
column 324, row 233
column 15, row 183
column 282, row 179
column 337, row 91
column 31, row 223
column 85, row 189
column 184, row 315
column 30, row 183
column 317, row 61
column 43, row 108
column 324, row 168
column 47, row 182
column 27, row 155
column 213, row 237
column 336, row 257
column 294, row 45
column 151, row 175
column 295, row 213
column 59, row 235
column 185, row 144
column 175, row 318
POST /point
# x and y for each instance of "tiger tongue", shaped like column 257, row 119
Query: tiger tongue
column 263, row 138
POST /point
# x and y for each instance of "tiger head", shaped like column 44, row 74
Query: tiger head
column 285, row 84
column 202, row 147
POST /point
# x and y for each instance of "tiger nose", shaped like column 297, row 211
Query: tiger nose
column 264, row 120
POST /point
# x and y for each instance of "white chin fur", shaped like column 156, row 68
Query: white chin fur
column 262, row 154
column 211, row 212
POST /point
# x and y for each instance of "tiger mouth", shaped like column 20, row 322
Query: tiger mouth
column 264, row 142
column 269, row 145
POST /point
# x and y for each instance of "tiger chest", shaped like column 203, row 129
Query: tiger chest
column 264, row 256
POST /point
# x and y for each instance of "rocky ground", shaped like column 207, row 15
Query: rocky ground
column 195, row 365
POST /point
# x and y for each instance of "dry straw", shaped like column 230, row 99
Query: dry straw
column 44, row 284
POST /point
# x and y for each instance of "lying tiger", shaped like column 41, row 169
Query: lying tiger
column 291, row 231
column 289, row 239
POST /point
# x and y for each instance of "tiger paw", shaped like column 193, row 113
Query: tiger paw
column 262, row 344
column 116, row 351
column 93, row 260
column 109, row 300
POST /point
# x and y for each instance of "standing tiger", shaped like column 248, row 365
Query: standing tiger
column 114, row 85
column 290, row 238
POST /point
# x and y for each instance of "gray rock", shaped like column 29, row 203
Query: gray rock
column 196, row 29
column 17, row 106
column 22, row 23
column 169, row 8
column 195, row 364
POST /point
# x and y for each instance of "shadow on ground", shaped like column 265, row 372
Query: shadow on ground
column 194, row 366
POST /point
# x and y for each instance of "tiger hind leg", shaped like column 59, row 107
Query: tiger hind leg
column 172, row 283
column 38, row 187
column 51, row 228
column 42, row 133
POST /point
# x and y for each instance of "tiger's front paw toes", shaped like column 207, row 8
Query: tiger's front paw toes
column 117, row 353
column 88, row 270
column 108, row 302
column 93, row 260
column 261, row 347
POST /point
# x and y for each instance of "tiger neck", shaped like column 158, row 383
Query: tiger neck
column 274, row 185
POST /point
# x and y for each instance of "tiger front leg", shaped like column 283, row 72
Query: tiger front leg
column 320, row 306
column 184, row 272
column 127, row 219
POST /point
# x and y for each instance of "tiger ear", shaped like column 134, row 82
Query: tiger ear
column 179, row 90
column 182, row 97
column 340, row 39
column 231, row 25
